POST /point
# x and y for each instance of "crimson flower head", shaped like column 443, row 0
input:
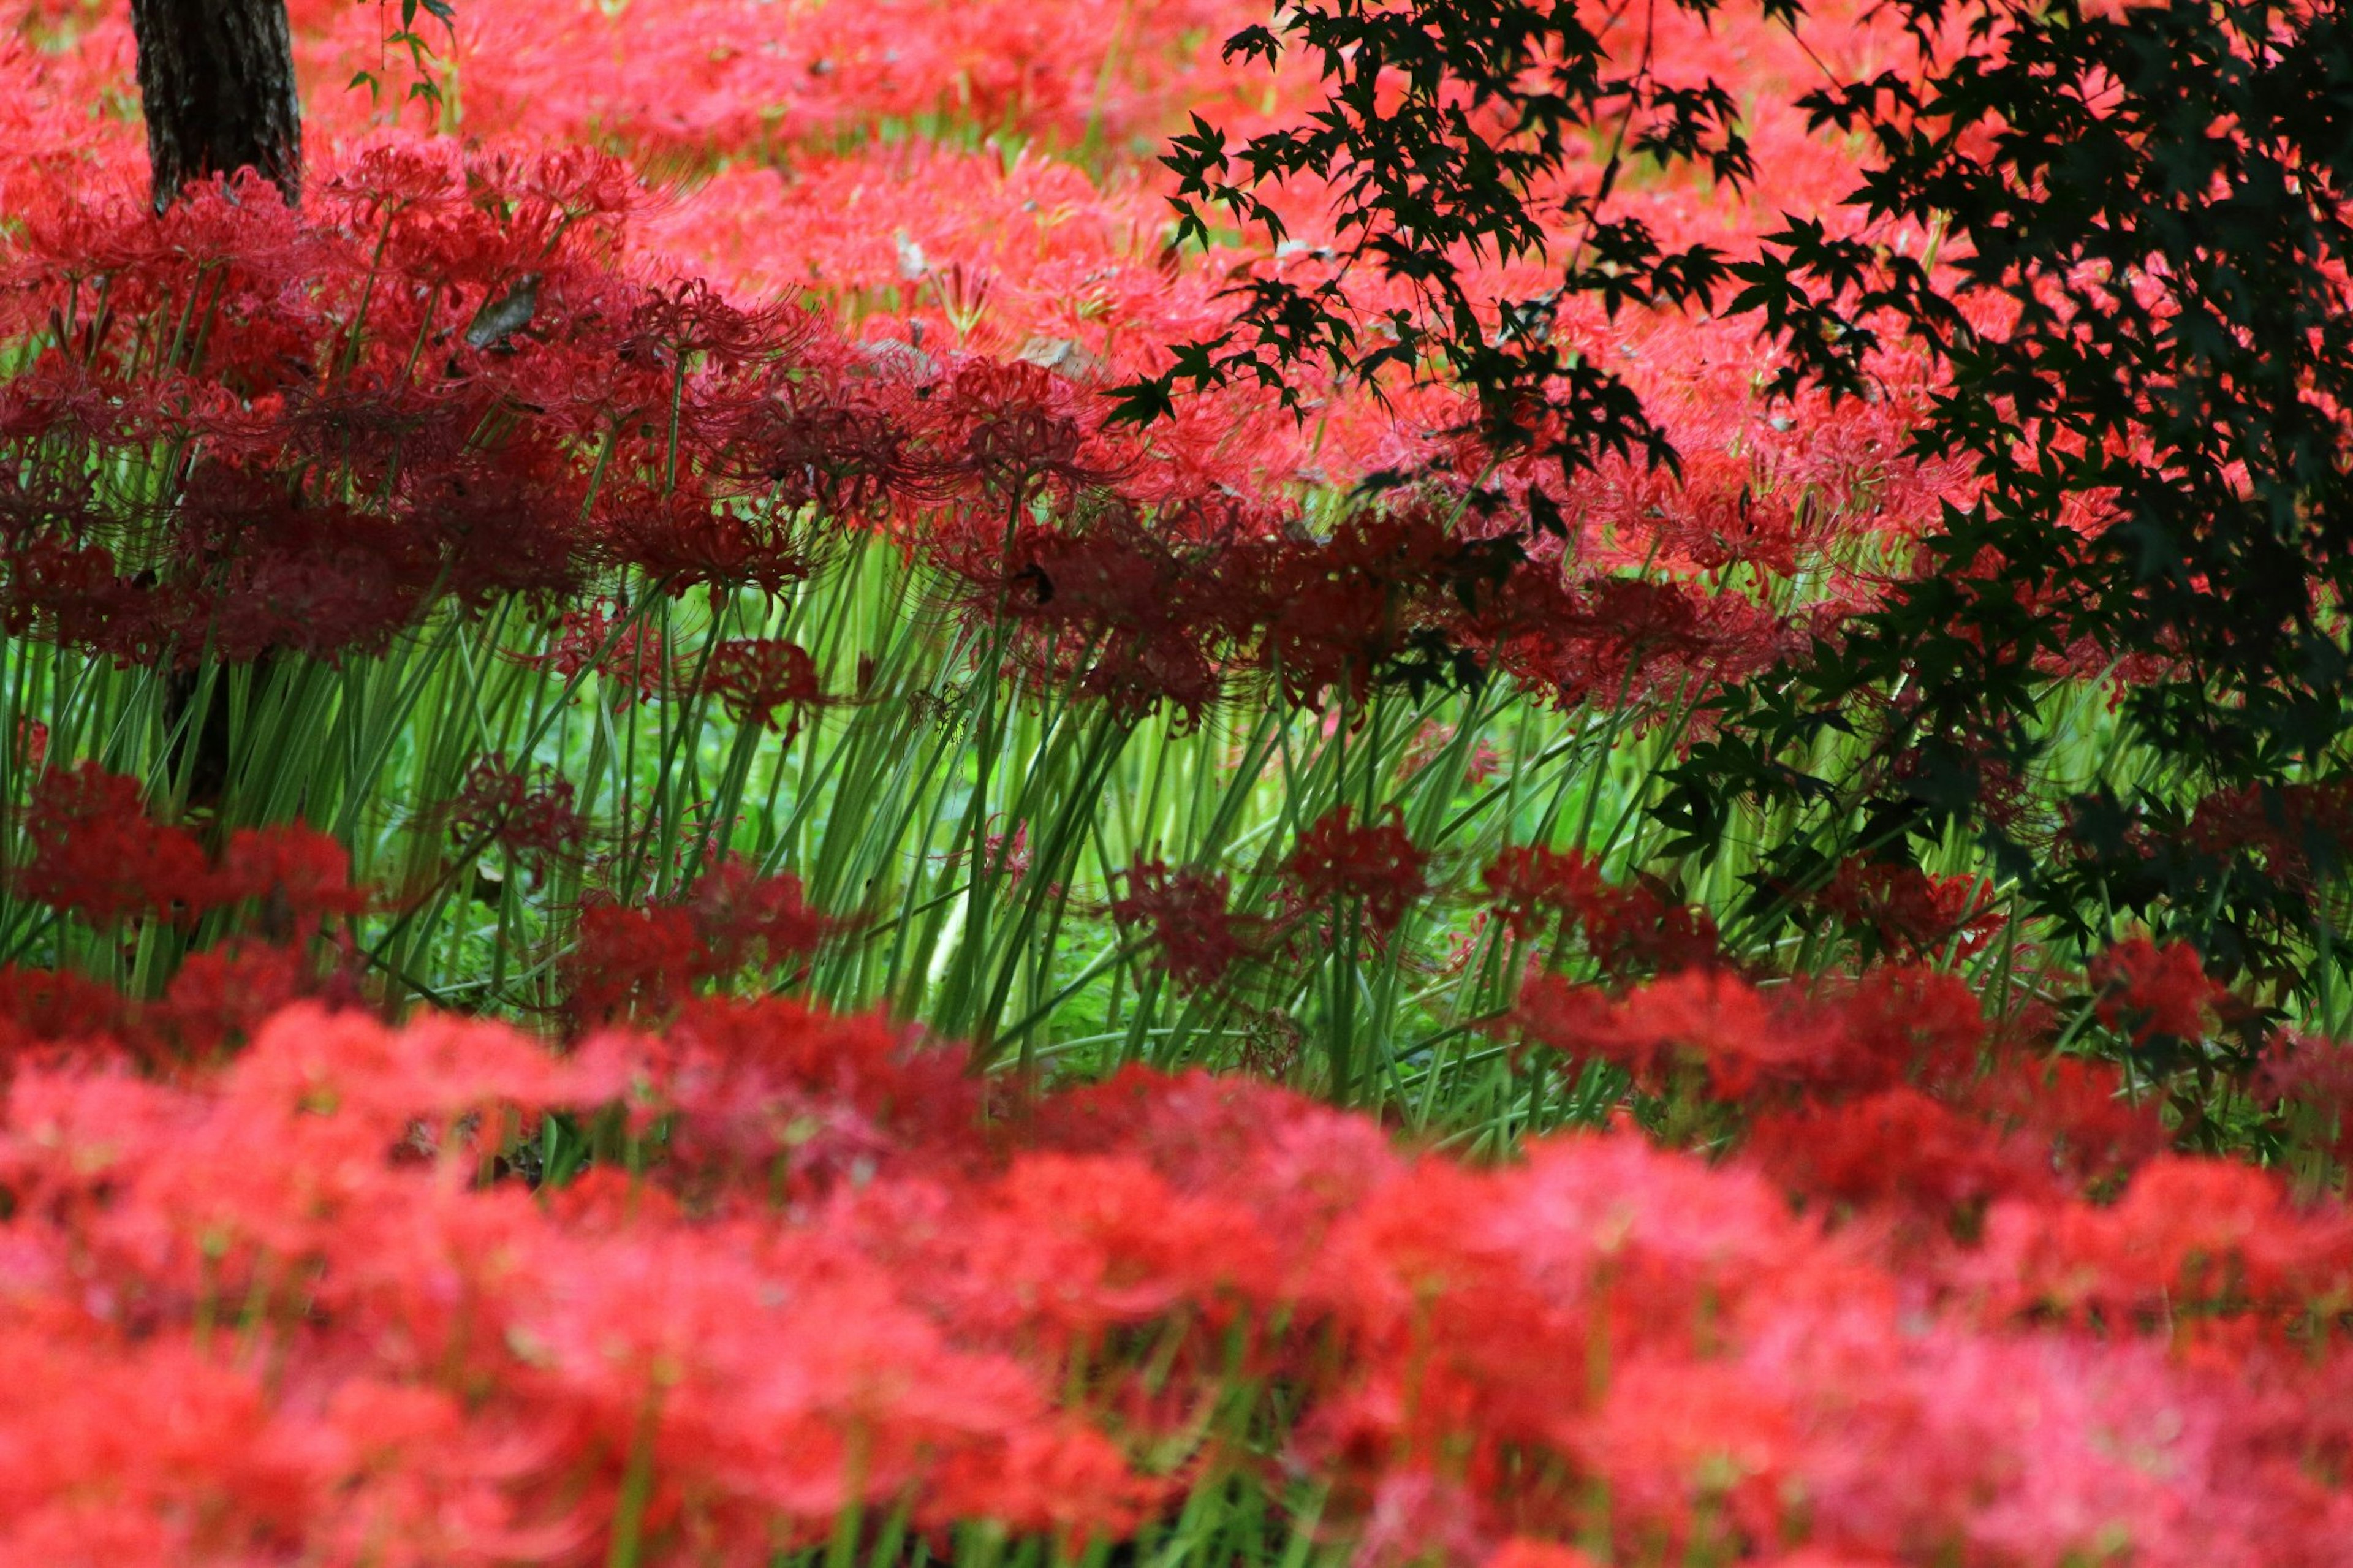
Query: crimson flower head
column 1908, row 910
column 654, row 957
column 298, row 873
column 741, row 916
column 32, row 744
column 1339, row 857
column 625, row 958
column 629, row 659
column 1199, row 938
column 753, row 677
column 687, row 318
column 530, row 815
column 97, row 854
column 1533, row 888
column 2154, row 989
column 1021, row 428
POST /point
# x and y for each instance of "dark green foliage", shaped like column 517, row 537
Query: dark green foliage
column 1484, row 102
column 2141, row 312
column 2137, row 313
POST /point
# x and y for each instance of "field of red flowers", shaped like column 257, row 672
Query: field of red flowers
column 663, row 906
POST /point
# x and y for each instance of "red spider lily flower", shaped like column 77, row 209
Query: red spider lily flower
column 1021, row 429
column 2186, row 1232
column 653, row 958
column 1628, row 929
column 96, row 853
column 688, row 320
column 1375, row 862
column 1078, row 1246
column 757, row 1085
column 1114, row 608
column 2285, row 824
column 299, row 874
column 1002, row 853
column 628, row 658
column 1197, row 937
column 625, row 958
column 2313, row 1074
column 32, row 744
column 1898, row 1148
column 1535, row 890
column 1644, row 927
column 311, row 1059
column 1069, row 1480
column 1711, row 1017
column 1910, row 913
column 44, row 1007
column 814, row 444
column 742, row 918
column 2079, row 1111
column 72, row 593
column 753, row 677
column 2152, row 989
column 1672, row 1430
column 221, row 997
column 528, row 815
column 684, row 536
column 1339, row 614
column 1860, row 1037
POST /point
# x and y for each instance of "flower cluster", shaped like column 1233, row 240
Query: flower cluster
column 95, row 852
column 649, row 956
column 437, row 1294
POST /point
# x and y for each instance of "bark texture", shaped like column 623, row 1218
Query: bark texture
column 217, row 81
column 217, row 84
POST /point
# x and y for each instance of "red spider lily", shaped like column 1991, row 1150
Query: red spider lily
column 2316, row 1075
column 2151, row 989
column 1628, row 928
column 298, row 874
column 2081, row 1111
column 1860, row 1037
column 769, row 1085
column 528, row 815
column 753, row 677
column 742, row 918
column 816, row 443
column 1645, row 928
column 2287, row 825
column 652, row 957
column 2186, row 1232
column 972, row 1319
column 1898, row 1148
column 627, row 658
column 1375, row 863
column 1019, row 430
column 1114, row 611
column 1197, row 938
column 42, row 1007
column 96, row 853
column 32, row 744
column 627, row 957
column 688, row 321
column 1535, row 890
column 221, row 997
column 1910, row 912
column 1076, row 1246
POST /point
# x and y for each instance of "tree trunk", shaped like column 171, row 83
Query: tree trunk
column 217, row 81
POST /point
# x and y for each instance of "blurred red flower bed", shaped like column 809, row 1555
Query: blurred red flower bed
column 347, row 1298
